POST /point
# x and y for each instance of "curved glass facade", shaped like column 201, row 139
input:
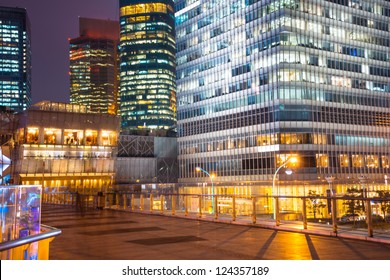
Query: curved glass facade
column 147, row 65
column 261, row 81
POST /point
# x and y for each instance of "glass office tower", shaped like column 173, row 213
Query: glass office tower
column 94, row 66
column 15, row 59
column 260, row 82
column 147, row 65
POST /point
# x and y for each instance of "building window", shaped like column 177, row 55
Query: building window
column 321, row 160
column 91, row 137
column 73, row 137
column 385, row 162
column 344, row 160
column 357, row 161
column 51, row 136
column 372, row 161
column 109, row 138
column 32, row 135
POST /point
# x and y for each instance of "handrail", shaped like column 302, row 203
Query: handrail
column 7, row 245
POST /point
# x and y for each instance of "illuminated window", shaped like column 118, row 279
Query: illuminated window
column 344, row 160
column 372, row 161
column 73, row 137
column 51, row 136
column 357, row 161
column 319, row 139
column 91, row 137
column 385, row 162
column 282, row 158
column 32, row 135
column 322, row 160
column 109, row 138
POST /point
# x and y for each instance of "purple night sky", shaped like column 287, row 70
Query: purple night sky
column 52, row 23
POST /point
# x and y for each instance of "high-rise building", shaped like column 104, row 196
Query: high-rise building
column 15, row 59
column 260, row 82
column 147, row 65
column 94, row 65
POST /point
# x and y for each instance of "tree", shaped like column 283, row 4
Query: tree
column 315, row 204
column 354, row 205
column 384, row 204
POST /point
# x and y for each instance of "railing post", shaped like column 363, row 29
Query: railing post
column 216, row 207
column 304, row 217
column 277, row 217
column 117, row 200
column 234, row 208
column 173, row 204
column 151, row 203
column 124, row 201
column 334, row 214
column 369, row 218
column 161, row 204
column 200, row 206
column 186, row 205
column 132, row 202
column 254, row 210
column 141, row 202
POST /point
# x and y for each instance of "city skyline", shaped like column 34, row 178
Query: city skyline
column 52, row 24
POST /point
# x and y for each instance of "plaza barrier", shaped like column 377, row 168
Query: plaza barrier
column 30, row 247
column 332, row 213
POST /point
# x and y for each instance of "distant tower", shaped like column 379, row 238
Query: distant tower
column 147, row 66
column 94, row 66
column 15, row 59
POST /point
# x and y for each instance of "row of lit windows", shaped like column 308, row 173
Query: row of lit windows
column 283, row 139
column 68, row 137
column 145, row 8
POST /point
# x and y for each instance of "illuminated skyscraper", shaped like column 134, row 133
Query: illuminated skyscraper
column 94, row 66
column 147, row 65
column 259, row 82
column 15, row 59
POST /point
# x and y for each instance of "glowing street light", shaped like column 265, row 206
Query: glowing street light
column 288, row 172
column 198, row 169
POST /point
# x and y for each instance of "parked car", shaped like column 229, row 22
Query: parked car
column 350, row 218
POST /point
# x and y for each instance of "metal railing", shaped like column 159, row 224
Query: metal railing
column 330, row 212
column 21, row 249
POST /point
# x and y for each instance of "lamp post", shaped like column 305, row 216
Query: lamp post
column 291, row 159
column 198, row 169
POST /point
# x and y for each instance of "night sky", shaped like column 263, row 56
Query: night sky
column 52, row 23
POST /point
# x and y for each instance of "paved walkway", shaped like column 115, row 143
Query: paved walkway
column 120, row 235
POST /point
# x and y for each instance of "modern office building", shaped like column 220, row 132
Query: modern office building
column 147, row 66
column 15, row 59
column 64, row 147
column 94, row 65
column 260, row 82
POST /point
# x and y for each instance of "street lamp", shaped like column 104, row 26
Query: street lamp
column 291, row 159
column 198, row 169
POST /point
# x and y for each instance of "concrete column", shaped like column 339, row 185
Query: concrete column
column 334, row 214
column 141, row 202
column 200, row 207
column 216, row 207
column 124, row 201
column 161, row 204
column 132, row 202
column 186, row 205
column 151, row 203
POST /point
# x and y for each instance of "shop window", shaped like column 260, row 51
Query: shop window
column 357, row 161
column 73, row 137
column 372, row 161
column 32, row 135
column 322, row 160
column 344, row 160
column 51, row 136
column 91, row 137
column 109, row 138
column 385, row 162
